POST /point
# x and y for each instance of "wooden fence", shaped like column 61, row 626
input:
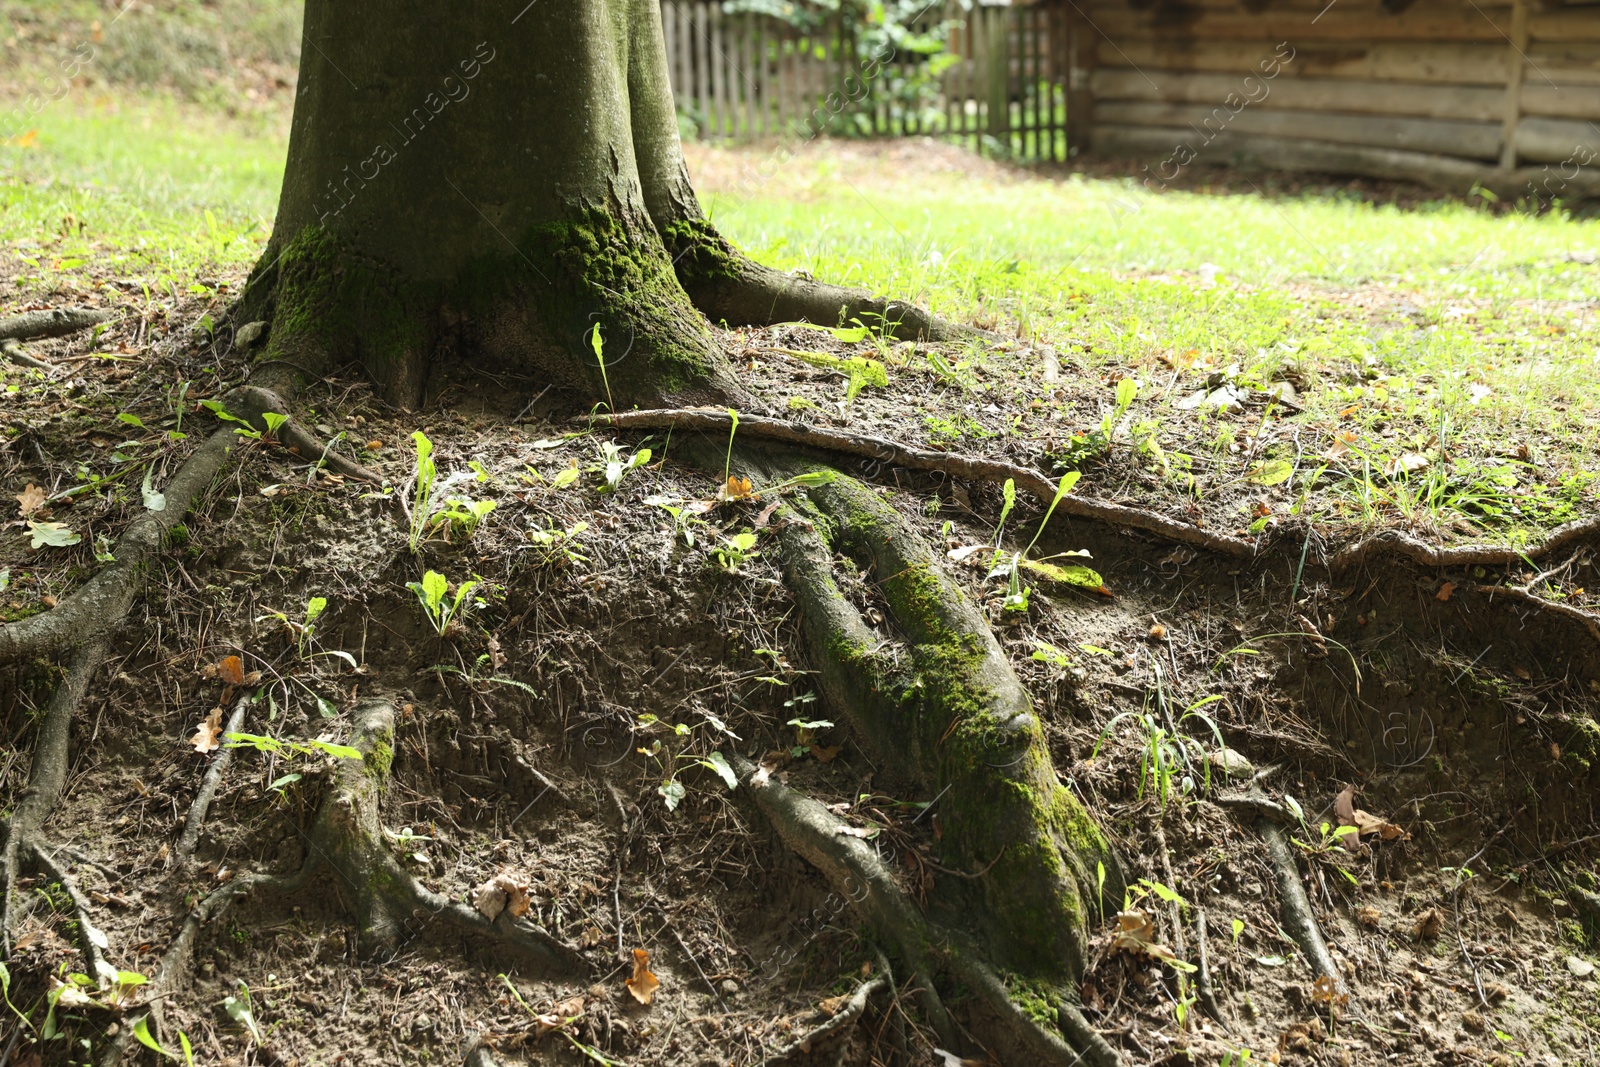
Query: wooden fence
column 998, row 86
column 1450, row 92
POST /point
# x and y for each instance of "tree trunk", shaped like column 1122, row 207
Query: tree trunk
column 463, row 179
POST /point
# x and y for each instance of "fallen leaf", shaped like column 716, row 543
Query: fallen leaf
column 833, row 1005
column 497, row 658
column 826, row 753
column 1325, row 991
column 1430, row 924
column 373, row 446
column 503, row 892
column 1368, row 916
column 1344, row 808
column 736, row 488
column 643, row 984
column 31, row 499
column 231, row 670
column 1369, row 824
column 1446, row 591
column 1158, row 632
column 208, row 738
column 1407, row 463
column 1136, row 933
column 54, row 534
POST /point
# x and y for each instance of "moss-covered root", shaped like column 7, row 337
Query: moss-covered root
column 1018, row 1034
column 727, row 286
column 949, row 712
column 349, row 837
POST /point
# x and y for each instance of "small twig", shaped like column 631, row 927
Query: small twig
column 208, row 787
column 1293, row 904
column 1202, row 977
column 697, row 968
column 94, row 939
column 58, row 322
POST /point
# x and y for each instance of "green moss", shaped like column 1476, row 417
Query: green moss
column 178, row 535
column 699, row 252
column 1036, row 999
column 379, row 760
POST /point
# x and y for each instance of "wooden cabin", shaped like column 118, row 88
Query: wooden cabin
column 1455, row 93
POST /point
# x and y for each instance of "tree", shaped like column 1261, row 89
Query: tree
column 503, row 185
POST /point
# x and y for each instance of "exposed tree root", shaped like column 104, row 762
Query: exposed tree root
column 58, row 322
column 1588, row 619
column 1294, row 906
column 93, row 939
column 46, row 777
column 1404, row 545
column 945, row 709
column 257, row 399
column 892, row 453
column 34, row 325
column 841, row 1022
column 854, row 870
column 105, row 599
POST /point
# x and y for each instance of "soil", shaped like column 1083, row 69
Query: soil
column 603, row 657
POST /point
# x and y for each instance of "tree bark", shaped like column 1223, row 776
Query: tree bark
column 463, row 180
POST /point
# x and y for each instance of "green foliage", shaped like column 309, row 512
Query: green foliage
column 684, row 745
column 735, row 551
column 444, row 613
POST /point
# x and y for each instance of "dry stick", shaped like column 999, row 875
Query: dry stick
column 971, row 468
column 1202, row 978
column 1589, row 619
column 47, row 776
column 1179, row 941
column 208, row 787
column 1294, row 905
column 853, row 1010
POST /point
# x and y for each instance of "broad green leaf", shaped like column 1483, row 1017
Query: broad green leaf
column 1083, row 577
column 132, row 420
column 1272, row 472
column 315, row 606
column 434, row 587
column 673, row 793
column 141, row 1032
column 565, row 477
column 336, row 751
column 54, row 534
column 719, row 763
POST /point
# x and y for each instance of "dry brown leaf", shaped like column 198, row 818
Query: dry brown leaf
column 208, row 738
column 1430, row 924
column 643, row 984
column 1325, row 991
column 497, row 658
column 1136, row 933
column 1368, row 916
column 1446, row 591
column 1369, row 824
column 1409, row 463
column 503, row 892
column 833, row 1005
column 736, row 488
column 31, row 499
column 231, row 670
column 1344, row 808
column 826, row 753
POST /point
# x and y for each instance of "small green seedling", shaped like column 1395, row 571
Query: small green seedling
column 558, row 545
column 460, row 516
column 735, row 551
column 426, row 473
column 615, row 468
column 805, row 733
column 444, row 614
column 303, row 630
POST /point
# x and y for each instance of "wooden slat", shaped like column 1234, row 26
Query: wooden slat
column 1344, row 22
column 1569, row 63
column 1564, row 26
column 1468, row 64
column 1542, row 140
column 1563, row 101
column 1472, row 140
column 1314, row 94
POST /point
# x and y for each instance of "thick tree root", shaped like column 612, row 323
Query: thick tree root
column 1398, row 543
column 1294, row 906
column 55, row 323
column 854, row 870
column 13, row 353
column 105, row 599
column 945, row 709
column 1587, row 619
column 46, row 777
column 893, row 453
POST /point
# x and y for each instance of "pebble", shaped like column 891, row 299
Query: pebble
column 729, row 986
column 249, row 334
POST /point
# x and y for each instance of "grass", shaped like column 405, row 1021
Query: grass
column 1463, row 335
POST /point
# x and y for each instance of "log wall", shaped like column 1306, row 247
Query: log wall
column 1494, row 92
